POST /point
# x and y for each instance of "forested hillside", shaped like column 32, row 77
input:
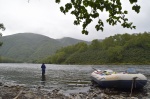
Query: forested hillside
column 29, row 47
column 117, row 49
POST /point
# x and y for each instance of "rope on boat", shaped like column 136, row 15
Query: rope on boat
column 133, row 84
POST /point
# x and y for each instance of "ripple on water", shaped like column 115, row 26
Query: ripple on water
column 66, row 77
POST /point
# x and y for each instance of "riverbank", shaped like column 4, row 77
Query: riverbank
column 23, row 92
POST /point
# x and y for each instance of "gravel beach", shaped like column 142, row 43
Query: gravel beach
column 23, row 92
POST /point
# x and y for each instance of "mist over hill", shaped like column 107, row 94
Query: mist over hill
column 28, row 47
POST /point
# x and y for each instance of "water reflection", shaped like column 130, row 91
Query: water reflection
column 43, row 80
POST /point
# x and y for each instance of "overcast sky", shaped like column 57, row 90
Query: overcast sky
column 44, row 17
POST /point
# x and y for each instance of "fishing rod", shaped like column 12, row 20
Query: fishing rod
column 95, row 69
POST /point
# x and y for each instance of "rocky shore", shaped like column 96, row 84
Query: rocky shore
column 22, row 92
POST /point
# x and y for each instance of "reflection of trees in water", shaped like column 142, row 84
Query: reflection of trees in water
column 43, row 80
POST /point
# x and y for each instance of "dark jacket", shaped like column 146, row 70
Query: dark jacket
column 43, row 67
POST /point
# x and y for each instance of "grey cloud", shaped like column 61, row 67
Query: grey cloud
column 44, row 16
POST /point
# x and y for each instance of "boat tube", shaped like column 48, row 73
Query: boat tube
column 123, row 80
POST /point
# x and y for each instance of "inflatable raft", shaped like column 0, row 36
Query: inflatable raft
column 123, row 80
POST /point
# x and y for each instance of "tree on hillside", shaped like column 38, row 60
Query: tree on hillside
column 95, row 45
column 3, row 28
column 87, row 10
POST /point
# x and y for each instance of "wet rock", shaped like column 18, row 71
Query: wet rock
column 83, row 93
column 139, row 96
column 98, row 97
column 55, row 90
column 124, row 94
column 29, row 95
column 83, row 96
column 46, row 97
column 1, row 84
column 102, row 95
column 121, row 97
column 77, row 96
column 91, row 90
column 148, row 94
column 132, row 98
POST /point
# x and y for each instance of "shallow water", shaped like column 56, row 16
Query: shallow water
column 68, row 78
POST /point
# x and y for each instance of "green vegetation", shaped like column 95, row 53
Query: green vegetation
column 85, row 11
column 117, row 49
column 8, row 60
column 29, row 47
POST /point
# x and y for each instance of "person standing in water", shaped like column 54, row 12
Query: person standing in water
column 43, row 68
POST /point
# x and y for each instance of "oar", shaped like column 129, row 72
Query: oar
column 95, row 69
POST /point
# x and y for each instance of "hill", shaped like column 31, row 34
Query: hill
column 28, row 47
column 66, row 41
column 117, row 49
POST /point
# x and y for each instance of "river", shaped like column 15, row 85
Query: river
column 68, row 78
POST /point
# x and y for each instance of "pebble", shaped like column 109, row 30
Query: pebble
column 1, row 83
column 29, row 95
column 11, row 91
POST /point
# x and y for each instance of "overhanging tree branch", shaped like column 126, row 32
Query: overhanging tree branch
column 79, row 8
column 3, row 28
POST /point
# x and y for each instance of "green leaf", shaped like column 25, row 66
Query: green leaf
column 62, row 9
column 97, row 27
column 136, row 8
column 95, row 15
column 134, row 27
column 2, row 26
column 68, row 6
column 57, row 1
column 133, row 1
column 73, row 1
column 85, row 32
column 125, row 12
column 85, row 3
